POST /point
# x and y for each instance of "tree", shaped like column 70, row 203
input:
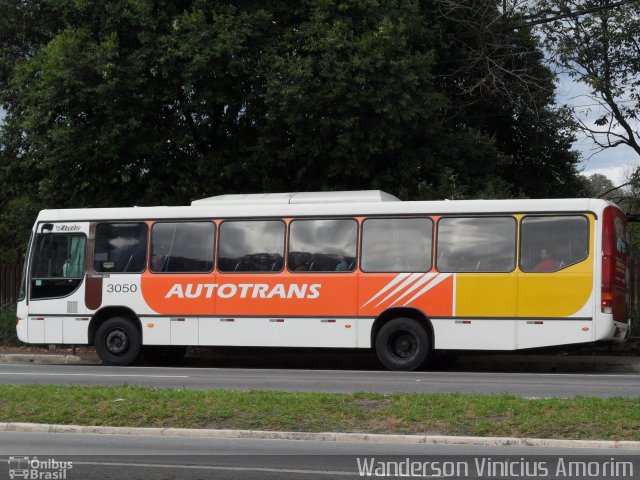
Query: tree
column 137, row 102
column 502, row 86
column 597, row 42
column 599, row 185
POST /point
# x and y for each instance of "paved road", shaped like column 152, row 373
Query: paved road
column 522, row 384
column 122, row 456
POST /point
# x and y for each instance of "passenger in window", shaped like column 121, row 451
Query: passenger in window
column 158, row 259
column 298, row 264
column 343, row 266
column 546, row 263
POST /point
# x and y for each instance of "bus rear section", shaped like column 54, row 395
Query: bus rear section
column 615, row 296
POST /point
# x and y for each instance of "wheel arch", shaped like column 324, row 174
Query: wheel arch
column 106, row 313
column 407, row 312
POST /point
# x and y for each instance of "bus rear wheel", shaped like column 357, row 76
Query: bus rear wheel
column 118, row 341
column 402, row 344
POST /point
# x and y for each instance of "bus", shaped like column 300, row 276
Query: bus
column 344, row 270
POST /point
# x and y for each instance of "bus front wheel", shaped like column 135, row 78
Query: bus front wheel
column 118, row 341
column 402, row 344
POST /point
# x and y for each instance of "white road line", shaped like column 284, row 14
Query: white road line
column 91, row 375
column 220, row 467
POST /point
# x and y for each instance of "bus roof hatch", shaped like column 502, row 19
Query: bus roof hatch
column 355, row 196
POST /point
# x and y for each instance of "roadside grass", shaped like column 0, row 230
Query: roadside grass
column 443, row 414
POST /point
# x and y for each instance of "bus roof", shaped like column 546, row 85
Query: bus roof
column 228, row 209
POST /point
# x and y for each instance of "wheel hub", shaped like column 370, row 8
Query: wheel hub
column 117, row 342
column 403, row 345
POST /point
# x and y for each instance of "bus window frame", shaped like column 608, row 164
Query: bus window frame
column 515, row 244
column 251, row 219
column 31, row 265
column 324, row 272
column 147, row 245
column 26, row 272
column 419, row 217
column 214, row 251
column 553, row 215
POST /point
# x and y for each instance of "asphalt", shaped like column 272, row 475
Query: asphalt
column 522, row 384
column 145, row 457
column 623, row 361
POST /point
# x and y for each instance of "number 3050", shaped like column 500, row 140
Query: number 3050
column 122, row 288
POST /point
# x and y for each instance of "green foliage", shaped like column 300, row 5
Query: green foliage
column 134, row 102
column 8, row 335
column 635, row 322
column 598, row 185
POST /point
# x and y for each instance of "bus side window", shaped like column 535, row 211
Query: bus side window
column 476, row 244
column 251, row 246
column 396, row 245
column 549, row 244
column 182, row 247
column 120, row 248
column 323, row 245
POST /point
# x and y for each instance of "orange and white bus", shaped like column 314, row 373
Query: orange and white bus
column 333, row 269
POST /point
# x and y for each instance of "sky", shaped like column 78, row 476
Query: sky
column 614, row 163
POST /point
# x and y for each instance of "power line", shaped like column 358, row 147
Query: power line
column 571, row 14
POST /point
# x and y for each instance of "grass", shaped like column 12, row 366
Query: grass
column 445, row 414
column 8, row 335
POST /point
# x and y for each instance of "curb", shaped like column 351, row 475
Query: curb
column 322, row 436
column 45, row 359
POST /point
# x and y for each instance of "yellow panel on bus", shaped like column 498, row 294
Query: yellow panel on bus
column 563, row 293
column 486, row 294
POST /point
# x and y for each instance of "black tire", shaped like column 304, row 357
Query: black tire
column 163, row 355
column 402, row 344
column 118, row 342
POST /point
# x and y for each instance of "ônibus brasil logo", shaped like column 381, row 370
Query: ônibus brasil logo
column 34, row 469
column 244, row 290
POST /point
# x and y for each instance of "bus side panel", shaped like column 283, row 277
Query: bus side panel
column 247, row 309
column 36, row 329
column 432, row 293
column 156, row 330
column 542, row 333
column 60, row 323
column 477, row 334
column 22, row 327
column 287, row 294
column 279, row 332
column 179, row 294
column 485, row 315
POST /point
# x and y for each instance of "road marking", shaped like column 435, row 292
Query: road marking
column 91, row 375
column 220, row 467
